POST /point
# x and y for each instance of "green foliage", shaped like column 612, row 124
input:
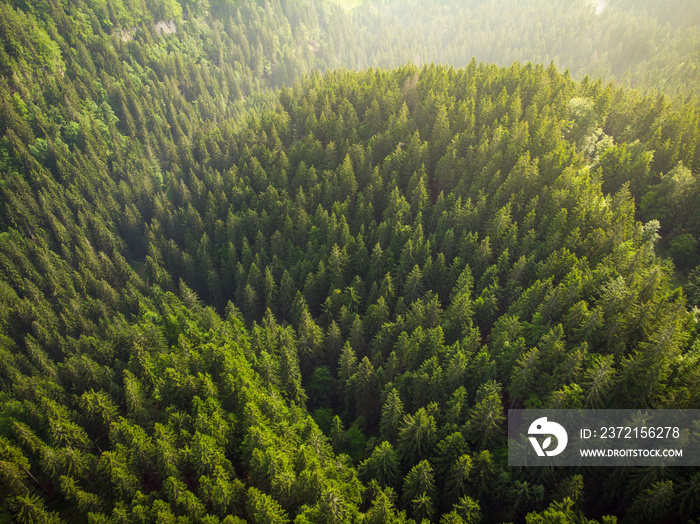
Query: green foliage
column 684, row 250
column 650, row 45
column 190, row 264
column 562, row 512
column 382, row 466
column 419, row 491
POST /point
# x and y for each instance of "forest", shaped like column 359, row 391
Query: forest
column 279, row 261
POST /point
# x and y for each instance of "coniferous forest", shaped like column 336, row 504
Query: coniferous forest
column 279, row 261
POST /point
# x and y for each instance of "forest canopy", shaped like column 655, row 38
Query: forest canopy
column 247, row 275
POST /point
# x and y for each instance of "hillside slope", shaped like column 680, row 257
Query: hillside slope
column 219, row 302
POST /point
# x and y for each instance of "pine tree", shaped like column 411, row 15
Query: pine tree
column 419, row 490
column 392, row 416
column 382, row 466
column 417, row 435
